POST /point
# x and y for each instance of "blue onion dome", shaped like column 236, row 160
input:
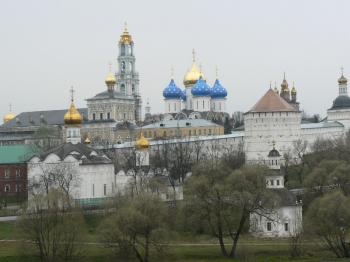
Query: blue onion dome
column 172, row 91
column 201, row 88
column 183, row 96
column 218, row 91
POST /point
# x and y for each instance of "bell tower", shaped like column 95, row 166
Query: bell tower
column 127, row 76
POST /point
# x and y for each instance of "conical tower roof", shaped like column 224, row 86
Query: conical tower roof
column 271, row 102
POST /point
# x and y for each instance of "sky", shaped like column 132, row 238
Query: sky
column 47, row 46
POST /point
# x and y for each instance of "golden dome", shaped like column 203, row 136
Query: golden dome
column 110, row 79
column 126, row 38
column 294, row 90
column 193, row 75
column 72, row 117
column 8, row 117
column 87, row 140
column 284, row 85
column 342, row 79
column 142, row 142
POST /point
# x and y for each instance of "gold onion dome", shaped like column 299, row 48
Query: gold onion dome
column 110, row 79
column 294, row 90
column 284, row 85
column 8, row 117
column 342, row 79
column 126, row 38
column 72, row 117
column 193, row 75
column 87, row 140
column 142, row 142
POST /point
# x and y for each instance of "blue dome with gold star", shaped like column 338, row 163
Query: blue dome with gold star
column 218, row 91
column 201, row 88
column 172, row 91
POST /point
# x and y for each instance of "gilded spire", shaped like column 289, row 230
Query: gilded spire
column 284, row 85
column 9, row 116
column 193, row 74
column 72, row 117
column 342, row 79
column 110, row 79
column 126, row 38
column 142, row 142
column 294, row 90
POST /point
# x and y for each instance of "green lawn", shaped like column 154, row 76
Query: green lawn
column 180, row 250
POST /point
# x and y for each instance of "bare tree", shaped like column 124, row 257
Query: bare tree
column 54, row 227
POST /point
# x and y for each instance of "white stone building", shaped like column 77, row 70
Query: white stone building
column 284, row 220
column 87, row 174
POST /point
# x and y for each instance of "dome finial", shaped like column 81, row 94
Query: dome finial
column 72, row 117
column 216, row 72
column 270, row 84
column 284, row 75
column 71, row 94
column 172, row 72
column 193, row 55
column 342, row 70
column 125, row 26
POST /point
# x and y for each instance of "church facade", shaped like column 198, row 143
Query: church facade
column 197, row 99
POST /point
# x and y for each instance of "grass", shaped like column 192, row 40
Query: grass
column 250, row 249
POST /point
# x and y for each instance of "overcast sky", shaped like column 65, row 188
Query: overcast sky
column 48, row 46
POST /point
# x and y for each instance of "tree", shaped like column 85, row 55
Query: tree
column 54, row 226
column 136, row 227
column 225, row 199
column 328, row 218
column 60, row 175
column 227, row 126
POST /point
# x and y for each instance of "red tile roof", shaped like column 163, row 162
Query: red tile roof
column 272, row 102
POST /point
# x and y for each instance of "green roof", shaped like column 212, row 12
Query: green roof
column 16, row 153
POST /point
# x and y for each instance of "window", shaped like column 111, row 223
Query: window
column 18, row 173
column 269, row 226
column 278, row 182
column 108, row 115
column 7, row 173
column 104, row 189
column 122, row 88
column 189, row 133
column 199, row 132
column 271, row 182
column 93, row 190
column 101, row 115
column 93, row 116
column 203, row 104
column 286, row 227
column 7, row 188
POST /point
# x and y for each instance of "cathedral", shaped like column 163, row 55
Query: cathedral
column 111, row 116
column 197, row 99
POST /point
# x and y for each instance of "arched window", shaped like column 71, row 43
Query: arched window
column 123, row 66
column 93, row 116
column 122, row 88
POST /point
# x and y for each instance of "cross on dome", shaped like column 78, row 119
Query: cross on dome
column 72, row 93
